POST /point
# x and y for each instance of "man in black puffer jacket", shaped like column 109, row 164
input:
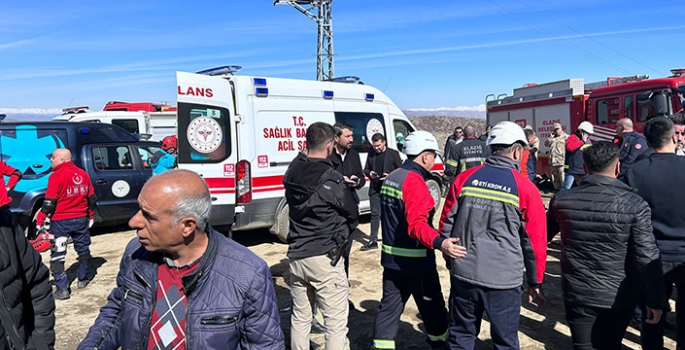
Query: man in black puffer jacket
column 27, row 308
column 609, row 259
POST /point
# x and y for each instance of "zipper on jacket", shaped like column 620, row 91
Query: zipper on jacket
column 219, row 320
column 133, row 293
column 14, row 324
column 144, row 338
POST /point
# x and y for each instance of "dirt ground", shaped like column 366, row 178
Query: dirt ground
column 543, row 328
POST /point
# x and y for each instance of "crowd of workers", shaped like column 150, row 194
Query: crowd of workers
column 182, row 285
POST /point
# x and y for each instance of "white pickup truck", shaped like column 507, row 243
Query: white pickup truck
column 157, row 124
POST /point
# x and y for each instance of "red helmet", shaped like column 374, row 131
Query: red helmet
column 169, row 142
column 43, row 242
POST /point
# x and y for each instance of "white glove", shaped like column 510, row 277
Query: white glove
column 90, row 223
column 46, row 225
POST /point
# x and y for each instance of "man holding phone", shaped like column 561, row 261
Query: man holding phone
column 346, row 161
column 380, row 162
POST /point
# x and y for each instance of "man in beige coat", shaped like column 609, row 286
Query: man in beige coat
column 557, row 154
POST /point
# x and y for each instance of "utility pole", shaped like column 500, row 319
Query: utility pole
column 318, row 11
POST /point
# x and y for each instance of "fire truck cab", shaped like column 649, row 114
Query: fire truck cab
column 571, row 101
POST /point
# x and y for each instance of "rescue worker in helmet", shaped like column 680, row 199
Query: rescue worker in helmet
column 575, row 144
column 409, row 245
column 163, row 161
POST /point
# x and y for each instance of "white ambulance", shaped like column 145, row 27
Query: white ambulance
column 240, row 133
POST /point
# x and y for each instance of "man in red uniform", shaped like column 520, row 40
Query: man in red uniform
column 69, row 203
column 498, row 216
column 409, row 241
column 15, row 176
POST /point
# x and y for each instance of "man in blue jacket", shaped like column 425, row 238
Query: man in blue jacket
column 183, row 285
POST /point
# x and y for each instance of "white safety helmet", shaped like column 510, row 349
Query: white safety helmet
column 507, row 133
column 587, row 127
column 419, row 141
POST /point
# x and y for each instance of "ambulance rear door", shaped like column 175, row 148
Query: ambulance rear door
column 207, row 138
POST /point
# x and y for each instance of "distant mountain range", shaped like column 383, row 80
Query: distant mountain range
column 476, row 112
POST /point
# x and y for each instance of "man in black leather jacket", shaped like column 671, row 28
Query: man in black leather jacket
column 27, row 308
column 609, row 259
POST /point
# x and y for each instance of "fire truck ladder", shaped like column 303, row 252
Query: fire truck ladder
column 323, row 18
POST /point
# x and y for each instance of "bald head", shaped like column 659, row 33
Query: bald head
column 624, row 125
column 59, row 156
column 469, row 131
column 186, row 194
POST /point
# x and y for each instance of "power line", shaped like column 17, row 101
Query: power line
column 591, row 38
column 552, row 35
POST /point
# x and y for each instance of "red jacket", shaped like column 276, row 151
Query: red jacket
column 70, row 187
column 15, row 176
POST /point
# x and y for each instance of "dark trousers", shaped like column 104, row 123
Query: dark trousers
column 78, row 230
column 375, row 203
column 467, row 304
column 652, row 335
column 424, row 286
column 597, row 328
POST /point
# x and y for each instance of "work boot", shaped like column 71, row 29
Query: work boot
column 369, row 246
column 61, row 294
column 82, row 284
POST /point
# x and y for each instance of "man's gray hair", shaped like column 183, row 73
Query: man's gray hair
column 196, row 205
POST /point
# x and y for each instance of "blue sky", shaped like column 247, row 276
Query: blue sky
column 442, row 54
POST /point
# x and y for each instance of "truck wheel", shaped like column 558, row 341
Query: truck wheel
column 435, row 191
column 282, row 224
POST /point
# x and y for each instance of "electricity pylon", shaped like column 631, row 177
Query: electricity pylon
column 318, row 11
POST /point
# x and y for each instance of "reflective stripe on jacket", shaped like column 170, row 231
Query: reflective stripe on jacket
column 499, row 217
column 406, row 208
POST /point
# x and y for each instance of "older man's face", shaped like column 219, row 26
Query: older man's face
column 153, row 222
column 680, row 135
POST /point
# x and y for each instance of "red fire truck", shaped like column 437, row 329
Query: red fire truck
column 138, row 107
column 571, row 101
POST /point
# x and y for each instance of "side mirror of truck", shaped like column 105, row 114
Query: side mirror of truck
column 661, row 104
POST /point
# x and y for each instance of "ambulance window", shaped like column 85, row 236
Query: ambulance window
column 628, row 107
column 130, row 125
column 402, row 129
column 204, row 133
column 363, row 124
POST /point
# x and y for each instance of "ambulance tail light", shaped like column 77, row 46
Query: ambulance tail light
column 244, row 180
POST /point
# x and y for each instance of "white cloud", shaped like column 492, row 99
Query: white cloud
column 52, row 111
column 478, row 108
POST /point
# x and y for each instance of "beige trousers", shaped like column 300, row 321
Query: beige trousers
column 315, row 280
column 557, row 176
